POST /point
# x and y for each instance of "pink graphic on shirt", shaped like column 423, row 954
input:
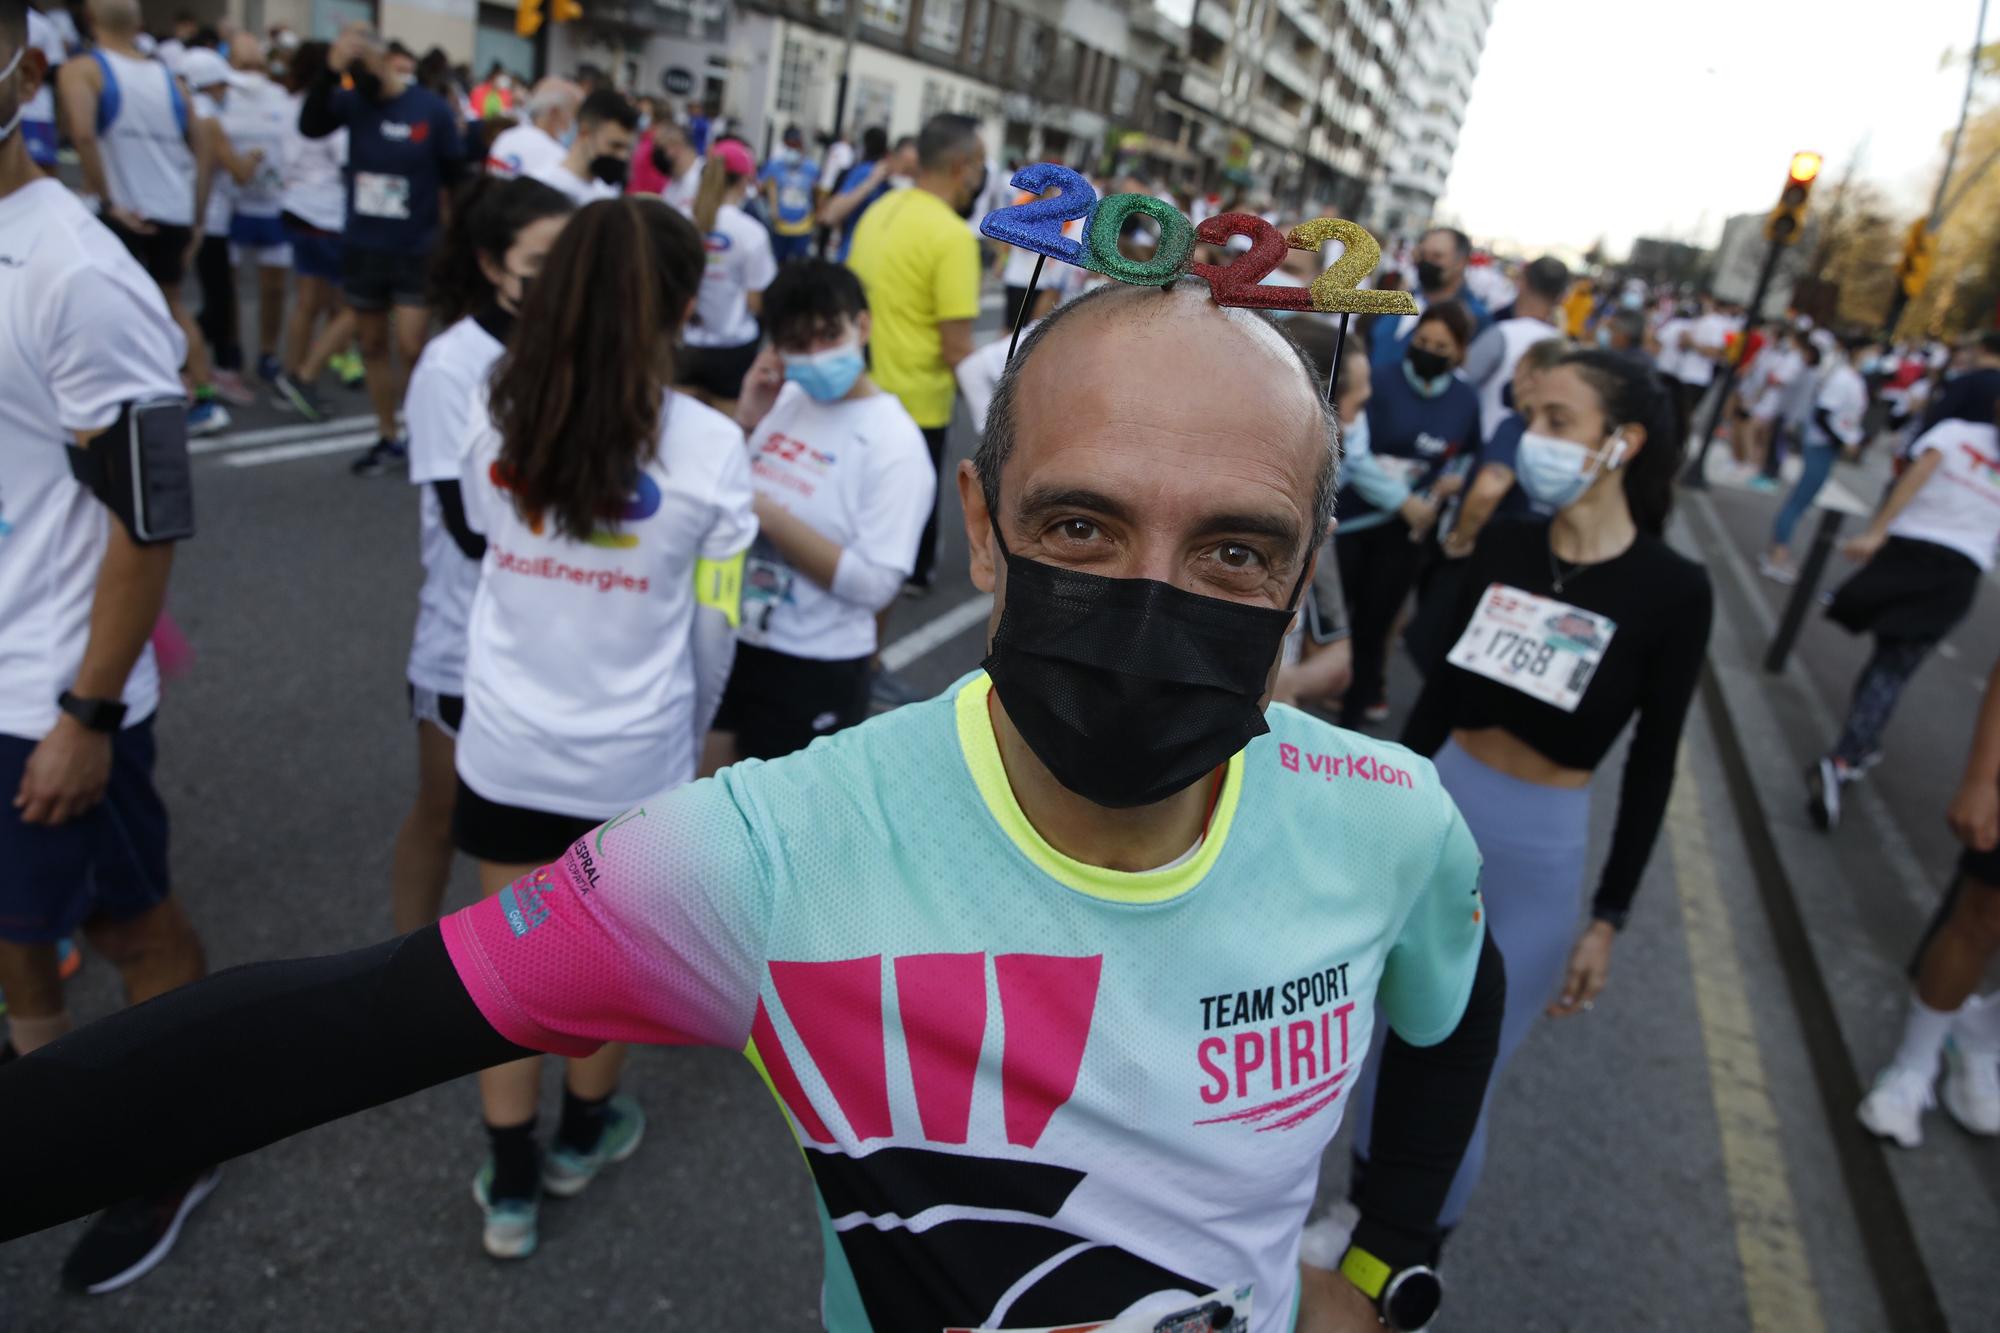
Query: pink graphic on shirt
column 778, row 1066
column 942, row 998
column 1302, row 1106
column 1046, row 1004
column 836, row 1008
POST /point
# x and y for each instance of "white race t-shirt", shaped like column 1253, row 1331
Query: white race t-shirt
column 256, row 116
column 221, row 187
column 680, row 191
column 857, row 473
column 525, row 150
column 739, row 262
column 315, row 185
column 1710, row 330
column 839, row 157
column 1514, row 337
column 1843, row 396
column 558, row 176
column 83, row 331
column 579, row 676
column 446, row 387
column 1960, row 506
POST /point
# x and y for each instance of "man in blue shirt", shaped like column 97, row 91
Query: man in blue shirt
column 1442, row 255
column 403, row 147
column 866, row 181
column 788, row 180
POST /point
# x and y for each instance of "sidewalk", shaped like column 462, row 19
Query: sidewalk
column 1850, row 906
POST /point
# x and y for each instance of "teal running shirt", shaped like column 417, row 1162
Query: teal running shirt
column 1033, row 1093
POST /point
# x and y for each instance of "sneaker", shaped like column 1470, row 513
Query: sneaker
column 1894, row 1108
column 207, row 417
column 1972, row 1083
column 1377, row 712
column 268, row 369
column 916, row 588
column 1760, row 482
column 1777, row 571
column 289, row 393
column 129, row 1239
column 566, row 1172
column 377, row 460
column 229, row 386
column 510, row 1231
column 1823, row 781
column 1325, row 1240
column 69, row 959
column 349, row 366
column 889, row 690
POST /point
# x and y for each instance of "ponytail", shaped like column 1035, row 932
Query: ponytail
column 1631, row 395
column 486, row 215
column 715, row 180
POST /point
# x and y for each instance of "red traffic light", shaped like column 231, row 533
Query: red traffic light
column 1805, row 167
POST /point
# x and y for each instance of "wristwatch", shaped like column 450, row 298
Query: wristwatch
column 1405, row 1299
column 97, row 714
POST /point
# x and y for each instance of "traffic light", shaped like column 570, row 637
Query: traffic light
column 1788, row 219
column 565, row 11
column 1919, row 251
column 528, row 18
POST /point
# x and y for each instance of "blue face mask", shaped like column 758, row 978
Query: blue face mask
column 1354, row 435
column 567, row 137
column 1556, row 472
column 826, row 376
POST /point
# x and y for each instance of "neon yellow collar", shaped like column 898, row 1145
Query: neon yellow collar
column 989, row 774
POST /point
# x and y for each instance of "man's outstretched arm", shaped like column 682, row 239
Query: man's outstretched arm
column 227, row 1065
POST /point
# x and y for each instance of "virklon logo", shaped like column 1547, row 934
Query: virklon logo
column 1366, row 768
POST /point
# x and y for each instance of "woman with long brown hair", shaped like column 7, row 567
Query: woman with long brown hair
column 616, row 513
column 723, row 337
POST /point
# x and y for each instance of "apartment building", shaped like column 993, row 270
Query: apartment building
column 1443, row 60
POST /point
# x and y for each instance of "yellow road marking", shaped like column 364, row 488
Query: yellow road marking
column 1777, row 1280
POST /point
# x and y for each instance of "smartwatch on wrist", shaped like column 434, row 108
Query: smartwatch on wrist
column 104, row 715
column 1405, row 1299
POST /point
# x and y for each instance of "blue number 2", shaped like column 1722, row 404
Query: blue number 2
column 1038, row 224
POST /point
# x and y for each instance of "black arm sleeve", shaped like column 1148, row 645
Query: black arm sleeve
column 226, row 1065
column 1656, row 743
column 1429, row 725
column 452, row 503
column 317, row 118
column 1427, row 1102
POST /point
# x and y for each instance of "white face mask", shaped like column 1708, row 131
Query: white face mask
column 1556, row 472
column 21, row 108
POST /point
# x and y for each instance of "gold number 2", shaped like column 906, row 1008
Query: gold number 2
column 1336, row 291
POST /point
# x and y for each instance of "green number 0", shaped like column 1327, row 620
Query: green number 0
column 1169, row 261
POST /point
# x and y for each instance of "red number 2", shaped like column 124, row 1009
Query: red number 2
column 1241, row 282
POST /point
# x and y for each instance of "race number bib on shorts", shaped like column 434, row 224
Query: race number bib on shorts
column 1217, row 1312
column 379, row 195
column 1544, row 648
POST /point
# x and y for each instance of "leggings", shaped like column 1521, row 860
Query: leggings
column 1876, row 692
column 1377, row 567
column 1534, row 841
column 218, row 302
column 1818, row 467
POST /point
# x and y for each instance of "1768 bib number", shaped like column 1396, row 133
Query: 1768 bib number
column 1546, row 649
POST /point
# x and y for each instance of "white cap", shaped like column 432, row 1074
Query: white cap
column 203, row 68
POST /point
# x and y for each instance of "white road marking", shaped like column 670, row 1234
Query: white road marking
column 936, row 632
column 285, row 453
column 310, row 430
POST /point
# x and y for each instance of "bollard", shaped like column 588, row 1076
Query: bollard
column 1803, row 590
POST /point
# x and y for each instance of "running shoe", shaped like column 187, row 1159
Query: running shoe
column 1777, row 571
column 129, row 1239
column 1972, row 1082
column 229, row 386
column 1377, row 712
column 1823, row 781
column 511, row 1231
column 566, row 1172
column 268, row 369
column 378, row 459
column 1324, row 1241
column 349, row 367
column 289, row 393
column 1763, row 483
column 1894, row 1108
column 889, row 690
column 69, row 960
column 207, row 417
column 916, row 588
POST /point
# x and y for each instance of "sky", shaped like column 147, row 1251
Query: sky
column 1619, row 119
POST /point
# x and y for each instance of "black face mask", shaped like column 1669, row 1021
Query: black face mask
column 1428, row 364
column 610, row 170
column 1430, row 277
column 1129, row 690
column 366, row 81
column 972, row 200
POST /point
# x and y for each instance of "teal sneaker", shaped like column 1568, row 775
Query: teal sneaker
column 510, row 1224
column 566, row 1172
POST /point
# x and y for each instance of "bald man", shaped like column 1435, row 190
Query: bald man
column 536, row 144
column 1061, row 977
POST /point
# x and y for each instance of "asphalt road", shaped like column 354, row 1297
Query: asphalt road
column 1662, row 1163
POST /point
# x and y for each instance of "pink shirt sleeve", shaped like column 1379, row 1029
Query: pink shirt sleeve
column 650, row 929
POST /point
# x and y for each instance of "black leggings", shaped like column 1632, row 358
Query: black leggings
column 1377, row 567
column 218, row 302
column 934, row 440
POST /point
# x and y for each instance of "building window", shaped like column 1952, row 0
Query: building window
column 936, row 99
column 887, row 14
column 943, row 20
column 1125, row 93
column 975, row 47
column 874, row 102
column 1031, row 51
column 831, row 9
column 793, row 74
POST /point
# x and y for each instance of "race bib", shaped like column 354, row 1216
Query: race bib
column 794, row 200
column 379, row 195
column 1217, row 1312
column 1544, row 648
column 1407, row 471
column 767, row 584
